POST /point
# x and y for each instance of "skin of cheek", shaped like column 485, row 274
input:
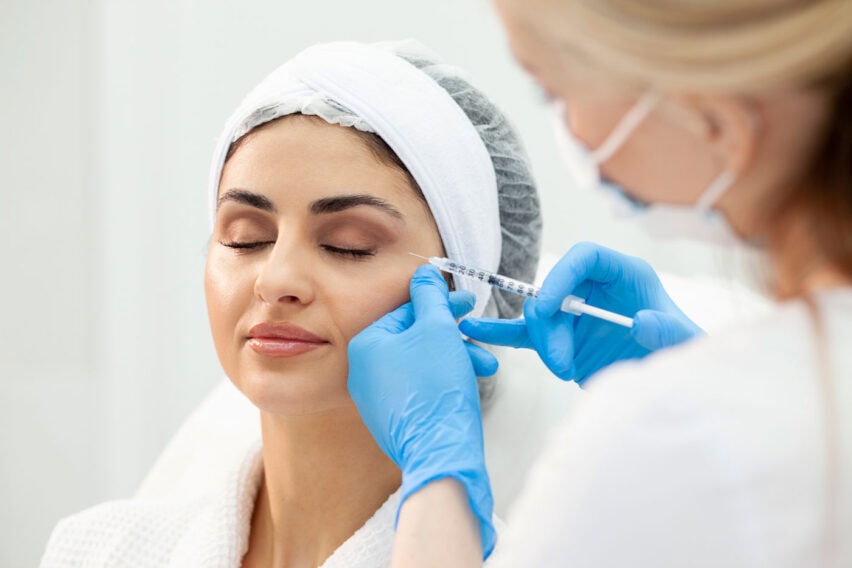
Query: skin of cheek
column 357, row 304
column 229, row 294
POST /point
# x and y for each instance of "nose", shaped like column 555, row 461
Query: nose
column 284, row 277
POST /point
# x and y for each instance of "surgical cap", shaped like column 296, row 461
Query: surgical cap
column 520, row 212
column 460, row 160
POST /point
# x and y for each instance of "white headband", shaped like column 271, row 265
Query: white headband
column 417, row 118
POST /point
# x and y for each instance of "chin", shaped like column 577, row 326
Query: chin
column 291, row 393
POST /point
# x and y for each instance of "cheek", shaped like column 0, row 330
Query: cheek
column 227, row 292
column 363, row 304
column 592, row 122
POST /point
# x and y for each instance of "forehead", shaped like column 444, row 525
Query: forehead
column 305, row 157
column 527, row 40
column 538, row 57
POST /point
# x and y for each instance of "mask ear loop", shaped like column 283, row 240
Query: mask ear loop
column 715, row 190
column 723, row 181
column 628, row 123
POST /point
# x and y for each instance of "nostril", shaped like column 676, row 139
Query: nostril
column 281, row 283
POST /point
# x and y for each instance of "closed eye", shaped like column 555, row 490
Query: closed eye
column 243, row 245
column 353, row 253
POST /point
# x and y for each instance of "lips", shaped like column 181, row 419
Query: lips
column 282, row 340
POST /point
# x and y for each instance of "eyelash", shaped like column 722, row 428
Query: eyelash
column 245, row 245
column 357, row 254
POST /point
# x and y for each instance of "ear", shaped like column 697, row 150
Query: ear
column 733, row 127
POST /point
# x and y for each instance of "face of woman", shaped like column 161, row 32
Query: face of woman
column 309, row 247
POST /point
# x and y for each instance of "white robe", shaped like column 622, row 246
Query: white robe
column 211, row 531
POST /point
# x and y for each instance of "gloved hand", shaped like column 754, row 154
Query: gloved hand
column 413, row 379
column 576, row 347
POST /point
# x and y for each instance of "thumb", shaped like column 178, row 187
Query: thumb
column 655, row 330
column 429, row 294
column 391, row 323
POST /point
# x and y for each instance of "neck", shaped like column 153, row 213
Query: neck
column 324, row 477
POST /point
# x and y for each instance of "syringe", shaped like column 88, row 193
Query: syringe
column 571, row 304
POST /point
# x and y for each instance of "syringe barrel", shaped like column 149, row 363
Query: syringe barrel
column 492, row 279
column 513, row 286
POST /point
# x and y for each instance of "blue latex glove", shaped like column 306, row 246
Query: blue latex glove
column 576, row 347
column 413, row 379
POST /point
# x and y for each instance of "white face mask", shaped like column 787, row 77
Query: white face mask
column 699, row 221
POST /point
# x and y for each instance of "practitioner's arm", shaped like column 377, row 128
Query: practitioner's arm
column 414, row 382
column 437, row 528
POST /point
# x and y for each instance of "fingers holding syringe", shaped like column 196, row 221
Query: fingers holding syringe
column 506, row 333
column 655, row 330
column 551, row 337
column 586, row 263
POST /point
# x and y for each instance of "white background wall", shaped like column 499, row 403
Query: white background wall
column 108, row 112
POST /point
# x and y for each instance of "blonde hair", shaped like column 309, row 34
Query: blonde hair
column 700, row 45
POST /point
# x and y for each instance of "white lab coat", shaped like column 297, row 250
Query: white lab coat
column 711, row 454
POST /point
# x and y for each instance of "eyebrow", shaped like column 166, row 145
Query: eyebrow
column 323, row 206
column 247, row 198
column 343, row 202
